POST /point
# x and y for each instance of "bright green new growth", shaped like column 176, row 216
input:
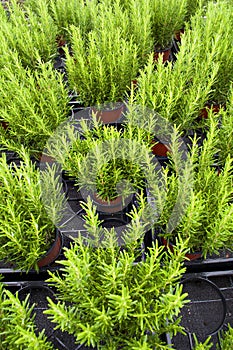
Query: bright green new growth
column 71, row 12
column 167, row 17
column 17, row 329
column 105, row 160
column 208, row 220
column 31, row 34
column 207, row 345
column 215, row 27
column 102, row 65
column 109, row 301
column 28, row 211
column 202, row 71
column 33, row 104
column 225, row 139
column 226, row 339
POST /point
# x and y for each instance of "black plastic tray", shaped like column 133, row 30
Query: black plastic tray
column 210, row 309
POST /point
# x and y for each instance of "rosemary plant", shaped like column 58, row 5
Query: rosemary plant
column 225, row 138
column 17, row 329
column 37, row 104
column 67, row 13
column 139, row 27
column 179, row 91
column 208, row 220
column 109, row 301
column 226, row 339
column 207, row 345
column 133, row 18
column 31, row 34
column 28, row 213
column 192, row 6
column 167, row 18
column 102, row 65
column 214, row 24
column 106, row 161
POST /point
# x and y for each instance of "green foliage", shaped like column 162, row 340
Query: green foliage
column 106, row 160
column 207, row 345
column 208, row 220
column 33, row 103
column 71, row 12
column 102, row 64
column 139, row 27
column 225, row 139
column 17, row 328
column 192, row 6
column 202, row 70
column 215, row 26
column 26, row 227
column 226, row 339
column 31, row 34
column 179, row 91
column 167, row 17
column 109, row 301
column 134, row 20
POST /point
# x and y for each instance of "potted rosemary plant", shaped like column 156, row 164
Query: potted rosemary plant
column 37, row 104
column 208, row 219
column 213, row 22
column 179, row 91
column 28, row 214
column 67, row 13
column 167, row 18
column 108, row 164
column 102, row 65
column 32, row 34
column 117, row 303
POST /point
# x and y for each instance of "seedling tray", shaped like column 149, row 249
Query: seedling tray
column 38, row 292
column 223, row 261
column 210, row 308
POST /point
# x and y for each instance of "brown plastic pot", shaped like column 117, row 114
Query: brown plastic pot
column 61, row 43
column 5, row 125
column 165, row 54
column 215, row 107
column 46, row 159
column 108, row 115
column 53, row 252
column 190, row 256
column 178, row 35
column 112, row 206
column 160, row 149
